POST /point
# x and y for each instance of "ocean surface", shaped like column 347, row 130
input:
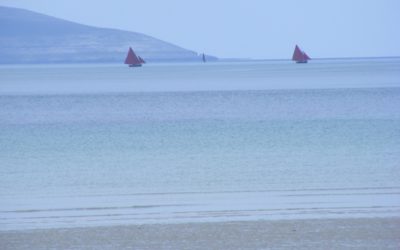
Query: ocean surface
column 98, row 145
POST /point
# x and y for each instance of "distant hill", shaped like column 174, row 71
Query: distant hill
column 30, row 37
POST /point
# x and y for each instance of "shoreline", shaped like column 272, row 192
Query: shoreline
column 354, row 233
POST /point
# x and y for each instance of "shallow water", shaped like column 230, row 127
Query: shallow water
column 85, row 145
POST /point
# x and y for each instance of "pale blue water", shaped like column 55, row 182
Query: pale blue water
column 86, row 145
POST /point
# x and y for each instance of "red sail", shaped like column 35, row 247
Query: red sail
column 131, row 58
column 297, row 54
column 141, row 60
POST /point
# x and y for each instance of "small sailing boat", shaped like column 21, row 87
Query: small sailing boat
column 132, row 59
column 300, row 56
column 204, row 58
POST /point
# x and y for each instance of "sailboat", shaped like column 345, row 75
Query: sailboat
column 300, row 56
column 204, row 58
column 132, row 59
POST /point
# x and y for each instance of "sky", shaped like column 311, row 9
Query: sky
column 258, row 29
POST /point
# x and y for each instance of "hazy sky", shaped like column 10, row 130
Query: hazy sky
column 245, row 28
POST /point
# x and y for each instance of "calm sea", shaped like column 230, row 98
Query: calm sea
column 89, row 145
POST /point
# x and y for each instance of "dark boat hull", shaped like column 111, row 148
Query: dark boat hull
column 301, row 61
column 135, row 65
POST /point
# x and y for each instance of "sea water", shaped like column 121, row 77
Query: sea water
column 89, row 145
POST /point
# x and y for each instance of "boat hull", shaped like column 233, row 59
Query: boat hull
column 135, row 65
column 301, row 61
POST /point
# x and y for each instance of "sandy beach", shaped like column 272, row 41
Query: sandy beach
column 371, row 233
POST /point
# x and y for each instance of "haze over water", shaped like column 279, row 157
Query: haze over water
column 85, row 145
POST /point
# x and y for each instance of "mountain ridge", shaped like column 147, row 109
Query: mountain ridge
column 31, row 37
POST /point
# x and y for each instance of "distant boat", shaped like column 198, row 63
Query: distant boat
column 132, row 59
column 300, row 56
column 204, row 58
column 141, row 60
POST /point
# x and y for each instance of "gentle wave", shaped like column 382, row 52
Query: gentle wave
column 202, row 207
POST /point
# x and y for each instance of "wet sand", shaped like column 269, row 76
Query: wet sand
column 369, row 233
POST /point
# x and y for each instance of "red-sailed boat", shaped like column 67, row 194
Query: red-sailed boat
column 300, row 56
column 132, row 59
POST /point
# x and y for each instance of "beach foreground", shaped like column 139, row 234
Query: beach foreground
column 360, row 233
